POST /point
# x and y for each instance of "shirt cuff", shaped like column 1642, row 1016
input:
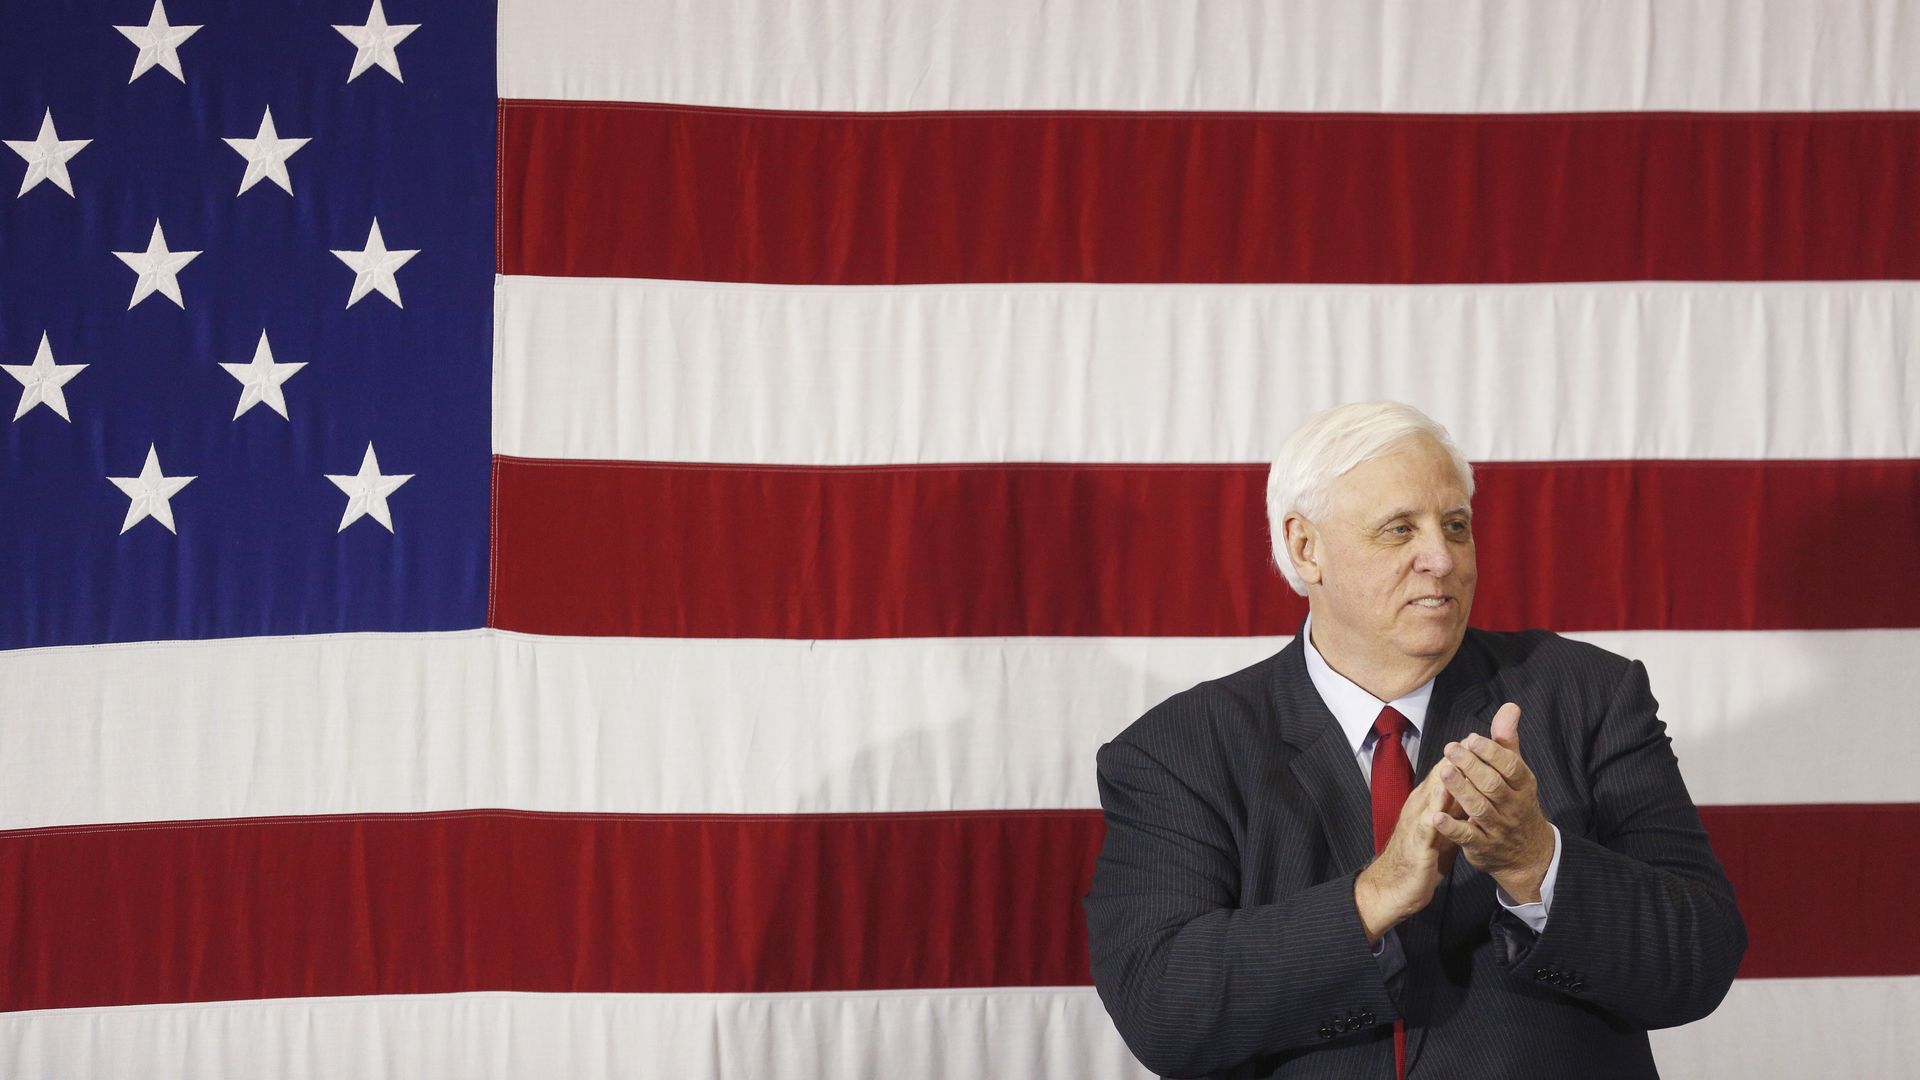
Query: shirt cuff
column 1535, row 914
column 1392, row 958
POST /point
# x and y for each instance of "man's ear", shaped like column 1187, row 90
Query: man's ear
column 1302, row 539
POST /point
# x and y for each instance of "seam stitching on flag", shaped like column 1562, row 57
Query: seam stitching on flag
column 1482, row 117
column 931, row 818
column 493, row 538
column 499, row 180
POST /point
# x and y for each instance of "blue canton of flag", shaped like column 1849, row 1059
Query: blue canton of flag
column 245, row 318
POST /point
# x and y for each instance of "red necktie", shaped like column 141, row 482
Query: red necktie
column 1392, row 783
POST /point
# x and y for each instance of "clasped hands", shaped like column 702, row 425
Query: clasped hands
column 1481, row 801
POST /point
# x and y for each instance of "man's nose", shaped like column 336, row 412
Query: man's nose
column 1432, row 556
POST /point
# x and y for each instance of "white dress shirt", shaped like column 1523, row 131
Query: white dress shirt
column 1356, row 710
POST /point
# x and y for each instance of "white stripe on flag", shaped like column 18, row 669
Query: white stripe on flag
column 1311, row 56
column 682, row 371
column 374, row 723
column 1775, row 1028
column 1759, row 1033
column 931, row 1034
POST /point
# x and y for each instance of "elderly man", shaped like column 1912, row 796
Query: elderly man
column 1282, row 893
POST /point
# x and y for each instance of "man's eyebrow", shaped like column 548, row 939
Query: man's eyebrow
column 1408, row 511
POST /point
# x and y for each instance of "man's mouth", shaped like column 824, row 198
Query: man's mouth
column 1431, row 602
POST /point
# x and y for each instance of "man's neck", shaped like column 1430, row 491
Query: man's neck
column 1386, row 678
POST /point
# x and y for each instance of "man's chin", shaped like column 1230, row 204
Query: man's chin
column 1433, row 642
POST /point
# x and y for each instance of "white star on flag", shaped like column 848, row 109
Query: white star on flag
column 262, row 379
column 158, row 269
column 159, row 44
column 367, row 492
column 266, row 155
column 41, row 381
column 46, row 156
column 149, row 493
column 374, row 43
column 374, row 266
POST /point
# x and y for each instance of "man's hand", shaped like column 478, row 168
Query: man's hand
column 1401, row 880
column 1504, row 832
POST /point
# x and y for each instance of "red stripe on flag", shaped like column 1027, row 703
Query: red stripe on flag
column 617, row 190
column 1796, row 871
column 613, row 548
column 561, row 903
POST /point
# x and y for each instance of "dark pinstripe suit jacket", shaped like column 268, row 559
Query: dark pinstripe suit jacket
column 1222, row 925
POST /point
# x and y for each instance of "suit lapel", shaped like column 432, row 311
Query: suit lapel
column 1325, row 768
column 1462, row 704
column 1329, row 776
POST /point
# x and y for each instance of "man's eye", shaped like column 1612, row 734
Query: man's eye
column 1401, row 530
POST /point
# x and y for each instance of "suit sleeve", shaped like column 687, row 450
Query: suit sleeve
column 1643, row 923
column 1194, row 982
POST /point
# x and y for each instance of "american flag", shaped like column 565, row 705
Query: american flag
column 590, row 538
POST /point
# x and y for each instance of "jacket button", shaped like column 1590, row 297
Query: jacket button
column 1540, row 974
column 1366, row 1018
column 1577, row 986
column 1326, row 1033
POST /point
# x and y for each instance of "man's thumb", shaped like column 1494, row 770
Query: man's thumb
column 1506, row 726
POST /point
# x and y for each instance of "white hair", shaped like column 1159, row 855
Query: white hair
column 1331, row 444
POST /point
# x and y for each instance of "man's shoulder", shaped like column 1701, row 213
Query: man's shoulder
column 1542, row 670
column 1543, row 654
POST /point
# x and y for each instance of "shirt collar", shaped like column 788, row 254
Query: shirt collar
column 1354, row 708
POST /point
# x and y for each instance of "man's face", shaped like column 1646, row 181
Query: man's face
column 1395, row 557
